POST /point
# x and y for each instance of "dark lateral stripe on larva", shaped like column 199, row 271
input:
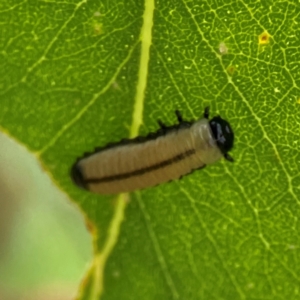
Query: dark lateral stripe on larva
column 142, row 171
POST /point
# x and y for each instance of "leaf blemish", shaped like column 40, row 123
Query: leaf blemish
column 98, row 29
column 292, row 247
column 95, row 23
column 264, row 38
column 116, row 274
column 223, row 48
column 115, row 85
column 250, row 286
column 231, row 70
column 90, row 226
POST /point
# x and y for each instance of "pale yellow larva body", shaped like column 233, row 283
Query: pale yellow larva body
column 133, row 166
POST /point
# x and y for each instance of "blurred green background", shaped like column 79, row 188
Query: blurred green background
column 45, row 247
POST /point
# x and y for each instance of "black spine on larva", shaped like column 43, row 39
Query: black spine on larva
column 223, row 134
column 139, row 139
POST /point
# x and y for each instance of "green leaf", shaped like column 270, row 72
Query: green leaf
column 79, row 74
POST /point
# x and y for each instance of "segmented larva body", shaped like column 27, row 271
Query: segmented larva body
column 166, row 155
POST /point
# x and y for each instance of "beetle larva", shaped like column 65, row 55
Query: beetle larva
column 168, row 154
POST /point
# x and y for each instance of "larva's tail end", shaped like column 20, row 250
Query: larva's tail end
column 77, row 176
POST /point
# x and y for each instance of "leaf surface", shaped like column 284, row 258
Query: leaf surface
column 79, row 74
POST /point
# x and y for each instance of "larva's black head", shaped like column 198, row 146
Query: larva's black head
column 223, row 135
